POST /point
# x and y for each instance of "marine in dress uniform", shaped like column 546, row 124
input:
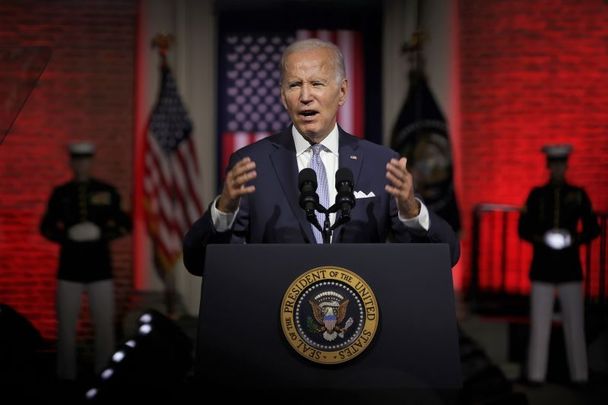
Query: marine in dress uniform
column 83, row 216
column 550, row 221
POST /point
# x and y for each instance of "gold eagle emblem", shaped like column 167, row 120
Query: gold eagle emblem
column 329, row 310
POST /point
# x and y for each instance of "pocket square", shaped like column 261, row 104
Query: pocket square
column 361, row 194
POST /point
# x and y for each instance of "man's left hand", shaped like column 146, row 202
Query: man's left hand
column 401, row 186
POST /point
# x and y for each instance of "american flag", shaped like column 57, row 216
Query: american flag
column 249, row 94
column 171, row 175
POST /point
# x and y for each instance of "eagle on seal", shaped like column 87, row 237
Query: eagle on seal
column 331, row 315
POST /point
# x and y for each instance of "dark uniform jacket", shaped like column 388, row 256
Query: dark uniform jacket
column 76, row 202
column 557, row 206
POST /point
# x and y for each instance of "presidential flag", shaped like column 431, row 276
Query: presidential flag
column 171, row 175
column 249, row 104
column 421, row 135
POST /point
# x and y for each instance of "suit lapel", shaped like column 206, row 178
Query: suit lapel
column 283, row 159
column 350, row 156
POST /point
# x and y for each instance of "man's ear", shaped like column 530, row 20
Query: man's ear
column 343, row 92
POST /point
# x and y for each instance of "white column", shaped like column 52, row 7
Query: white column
column 399, row 23
column 195, row 71
column 192, row 59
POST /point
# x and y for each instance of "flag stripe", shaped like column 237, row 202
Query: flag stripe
column 156, row 189
column 358, row 91
column 170, row 221
column 194, row 207
column 233, row 141
column 346, row 112
column 167, row 191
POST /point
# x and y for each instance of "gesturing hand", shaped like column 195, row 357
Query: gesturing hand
column 234, row 185
column 401, row 187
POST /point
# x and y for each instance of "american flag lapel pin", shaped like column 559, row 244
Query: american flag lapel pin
column 353, row 157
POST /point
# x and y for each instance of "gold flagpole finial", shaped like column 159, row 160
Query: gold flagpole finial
column 415, row 43
column 163, row 41
column 413, row 49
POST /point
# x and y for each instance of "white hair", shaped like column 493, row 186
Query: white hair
column 315, row 43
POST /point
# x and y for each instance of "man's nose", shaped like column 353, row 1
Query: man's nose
column 305, row 94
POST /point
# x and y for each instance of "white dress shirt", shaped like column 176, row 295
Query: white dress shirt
column 329, row 156
column 223, row 221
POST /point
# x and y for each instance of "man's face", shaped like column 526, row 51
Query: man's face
column 310, row 92
column 557, row 170
column 81, row 166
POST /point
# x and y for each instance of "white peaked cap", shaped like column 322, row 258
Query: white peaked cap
column 557, row 151
column 81, row 149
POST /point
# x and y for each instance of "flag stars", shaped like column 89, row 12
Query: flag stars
column 251, row 83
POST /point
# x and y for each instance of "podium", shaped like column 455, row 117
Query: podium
column 241, row 346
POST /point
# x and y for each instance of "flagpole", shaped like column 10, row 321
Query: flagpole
column 413, row 47
column 163, row 42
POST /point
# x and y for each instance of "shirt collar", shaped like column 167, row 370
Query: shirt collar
column 302, row 145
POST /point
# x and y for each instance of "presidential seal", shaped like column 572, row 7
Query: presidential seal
column 329, row 315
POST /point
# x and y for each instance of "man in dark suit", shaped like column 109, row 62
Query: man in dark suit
column 259, row 200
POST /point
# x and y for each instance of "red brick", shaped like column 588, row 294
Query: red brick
column 86, row 91
column 531, row 73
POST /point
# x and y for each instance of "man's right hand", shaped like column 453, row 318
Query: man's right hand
column 234, row 185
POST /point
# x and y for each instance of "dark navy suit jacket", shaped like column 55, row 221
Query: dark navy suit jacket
column 272, row 213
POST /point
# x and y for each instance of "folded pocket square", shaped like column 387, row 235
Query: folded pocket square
column 361, row 194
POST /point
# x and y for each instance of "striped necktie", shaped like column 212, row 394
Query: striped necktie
column 322, row 189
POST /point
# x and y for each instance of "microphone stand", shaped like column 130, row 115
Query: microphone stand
column 327, row 228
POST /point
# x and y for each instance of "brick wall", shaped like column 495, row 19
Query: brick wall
column 531, row 72
column 86, row 92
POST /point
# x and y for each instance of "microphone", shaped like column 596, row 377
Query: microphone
column 309, row 199
column 345, row 199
